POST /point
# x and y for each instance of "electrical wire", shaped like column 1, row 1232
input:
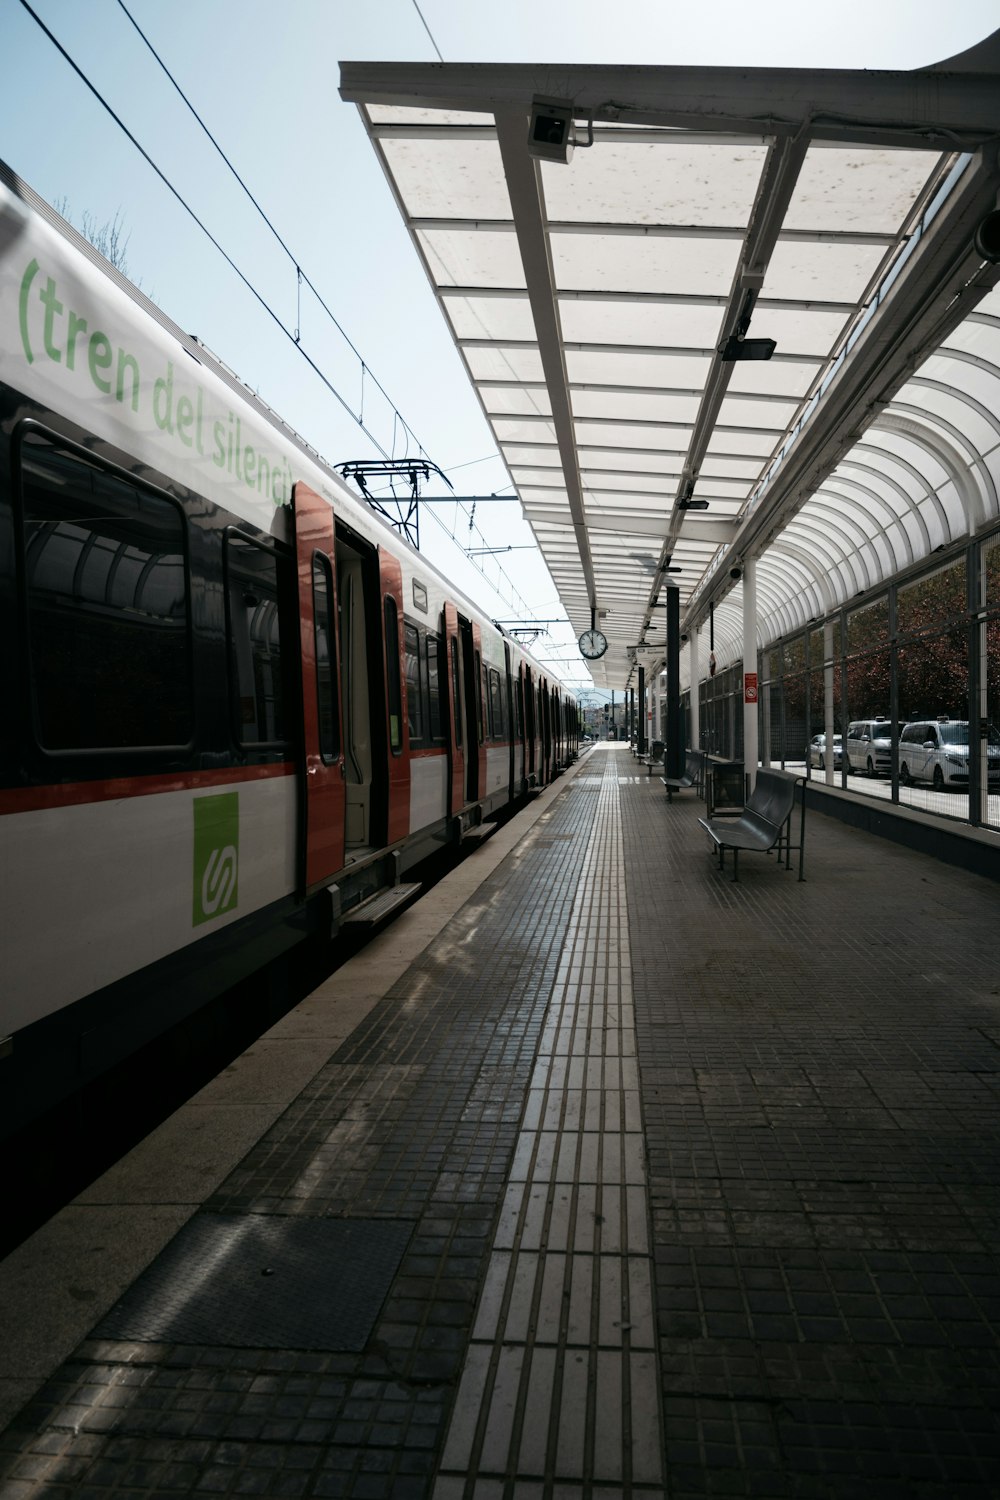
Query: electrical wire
column 434, row 44
column 301, row 275
column 289, row 334
column 292, row 335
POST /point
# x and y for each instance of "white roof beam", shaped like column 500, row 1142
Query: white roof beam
column 524, row 186
column 929, row 107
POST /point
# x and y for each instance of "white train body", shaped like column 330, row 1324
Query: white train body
column 242, row 705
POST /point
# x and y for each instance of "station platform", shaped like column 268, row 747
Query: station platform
column 596, row 1175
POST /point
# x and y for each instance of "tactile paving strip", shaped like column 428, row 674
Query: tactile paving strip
column 250, row 1282
column 559, row 1391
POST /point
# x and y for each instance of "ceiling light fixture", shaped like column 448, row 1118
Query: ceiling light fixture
column 738, row 346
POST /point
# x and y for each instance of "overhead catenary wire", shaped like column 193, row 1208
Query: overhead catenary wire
column 258, row 297
column 293, row 335
column 302, row 277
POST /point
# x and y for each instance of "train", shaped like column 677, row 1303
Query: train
column 241, row 706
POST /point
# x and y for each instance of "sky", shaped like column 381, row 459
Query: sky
column 264, row 78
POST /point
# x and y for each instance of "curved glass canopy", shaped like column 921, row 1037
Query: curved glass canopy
column 605, row 310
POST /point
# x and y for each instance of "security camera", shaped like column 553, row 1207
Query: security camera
column 683, row 639
column 986, row 239
column 550, row 133
column 735, row 573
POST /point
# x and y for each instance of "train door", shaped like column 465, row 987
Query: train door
column 529, row 726
column 323, row 797
column 511, row 720
column 398, row 764
column 364, row 735
column 546, row 725
column 472, row 696
column 456, row 712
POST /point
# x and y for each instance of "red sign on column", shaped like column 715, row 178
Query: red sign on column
column 749, row 687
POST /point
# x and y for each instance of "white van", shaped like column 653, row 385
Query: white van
column 937, row 750
column 869, row 746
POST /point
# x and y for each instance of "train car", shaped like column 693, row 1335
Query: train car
column 239, row 705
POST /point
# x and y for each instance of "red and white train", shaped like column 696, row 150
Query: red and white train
column 238, row 704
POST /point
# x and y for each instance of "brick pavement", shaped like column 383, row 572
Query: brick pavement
column 820, row 1076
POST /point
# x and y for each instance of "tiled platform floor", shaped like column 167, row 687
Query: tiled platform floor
column 700, row 1202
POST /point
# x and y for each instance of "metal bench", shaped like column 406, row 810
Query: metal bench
column 764, row 824
column 691, row 776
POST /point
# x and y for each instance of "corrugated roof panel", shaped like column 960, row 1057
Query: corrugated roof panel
column 669, row 182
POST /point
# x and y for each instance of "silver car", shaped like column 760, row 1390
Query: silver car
column 816, row 753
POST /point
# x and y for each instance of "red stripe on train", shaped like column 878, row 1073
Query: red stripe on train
column 79, row 793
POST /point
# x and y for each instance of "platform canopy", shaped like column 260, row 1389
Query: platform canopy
column 605, row 309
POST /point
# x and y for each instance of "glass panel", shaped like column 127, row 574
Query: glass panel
column 394, row 691
column 763, row 416
column 254, row 631
column 794, row 730
column 465, row 257
column 436, row 722
column 414, row 716
column 670, row 324
column 630, row 407
column 760, row 444
column 626, row 263
column 456, row 697
column 661, row 371
column 989, row 648
column 991, row 572
column 490, row 317
column 504, row 363
column 107, row 600
column 868, row 683
column 405, row 114
column 823, row 270
column 628, row 435
column 933, row 600
column 853, row 188
column 773, row 378
column 521, row 453
column 695, row 183
column 867, row 627
column 497, row 716
column 326, row 674
column 449, row 178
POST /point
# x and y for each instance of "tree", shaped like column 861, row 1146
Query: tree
column 110, row 239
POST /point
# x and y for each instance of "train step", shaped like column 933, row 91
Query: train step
column 479, row 833
column 376, row 907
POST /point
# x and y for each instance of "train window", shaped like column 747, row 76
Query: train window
column 254, row 631
column 109, row 636
column 435, row 722
column 414, row 696
column 326, row 658
column 420, row 596
column 456, row 698
column 497, row 725
column 394, row 685
column 480, row 714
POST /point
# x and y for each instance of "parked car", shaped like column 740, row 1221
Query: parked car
column 869, row 746
column 816, row 751
column 937, row 750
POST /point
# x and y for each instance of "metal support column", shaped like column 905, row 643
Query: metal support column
column 695, row 716
column 641, row 742
column 750, row 710
column 673, row 750
column 828, row 724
